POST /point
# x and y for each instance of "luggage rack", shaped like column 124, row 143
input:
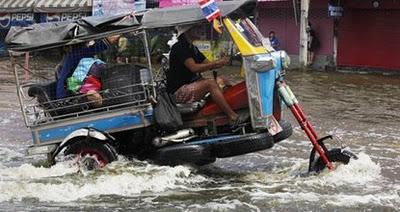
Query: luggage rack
column 44, row 110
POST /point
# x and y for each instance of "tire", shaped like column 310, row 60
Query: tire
column 205, row 162
column 334, row 155
column 286, row 132
column 243, row 145
column 91, row 154
column 184, row 154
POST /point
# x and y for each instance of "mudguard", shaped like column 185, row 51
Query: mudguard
column 84, row 133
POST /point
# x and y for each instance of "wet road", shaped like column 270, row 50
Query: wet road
column 363, row 111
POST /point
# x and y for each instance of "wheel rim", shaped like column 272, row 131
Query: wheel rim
column 90, row 160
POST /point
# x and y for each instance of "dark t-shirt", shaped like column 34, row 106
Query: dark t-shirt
column 178, row 73
column 314, row 45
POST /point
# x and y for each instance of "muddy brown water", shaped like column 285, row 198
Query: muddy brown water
column 363, row 111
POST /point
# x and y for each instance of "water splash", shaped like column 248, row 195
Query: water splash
column 359, row 172
column 363, row 175
column 62, row 183
column 388, row 199
column 7, row 155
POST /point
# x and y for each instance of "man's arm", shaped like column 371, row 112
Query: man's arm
column 205, row 65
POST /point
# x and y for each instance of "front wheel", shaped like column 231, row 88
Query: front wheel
column 91, row 154
column 334, row 155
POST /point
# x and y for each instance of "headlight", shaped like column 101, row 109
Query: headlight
column 262, row 63
column 285, row 60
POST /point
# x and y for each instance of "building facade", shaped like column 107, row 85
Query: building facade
column 368, row 33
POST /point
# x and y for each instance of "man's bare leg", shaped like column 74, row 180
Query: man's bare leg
column 310, row 58
column 209, row 85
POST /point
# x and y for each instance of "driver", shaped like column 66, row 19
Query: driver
column 184, row 79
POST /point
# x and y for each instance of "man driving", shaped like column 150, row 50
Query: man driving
column 184, row 78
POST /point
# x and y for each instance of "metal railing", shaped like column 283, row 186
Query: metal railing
column 39, row 112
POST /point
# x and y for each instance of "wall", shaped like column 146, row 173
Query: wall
column 279, row 17
column 370, row 37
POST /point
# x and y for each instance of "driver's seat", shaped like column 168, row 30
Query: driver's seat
column 160, row 78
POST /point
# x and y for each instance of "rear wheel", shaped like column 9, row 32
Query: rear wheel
column 334, row 155
column 91, row 154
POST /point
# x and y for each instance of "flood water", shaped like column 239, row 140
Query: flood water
column 363, row 111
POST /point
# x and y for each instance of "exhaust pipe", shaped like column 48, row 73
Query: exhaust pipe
column 177, row 137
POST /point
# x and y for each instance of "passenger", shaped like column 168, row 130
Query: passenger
column 184, row 79
column 72, row 58
column 86, row 79
column 123, row 54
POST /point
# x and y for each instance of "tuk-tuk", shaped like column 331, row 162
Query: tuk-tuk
column 95, row 131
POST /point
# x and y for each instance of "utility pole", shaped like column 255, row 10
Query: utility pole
column 305, row 5
column 335, row 40
column 335, row 11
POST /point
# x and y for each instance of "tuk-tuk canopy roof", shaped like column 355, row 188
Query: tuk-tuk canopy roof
column 56, row 34
column 189, row 14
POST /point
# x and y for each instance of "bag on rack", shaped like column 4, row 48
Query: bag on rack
column 75, row 82
column 166, row 114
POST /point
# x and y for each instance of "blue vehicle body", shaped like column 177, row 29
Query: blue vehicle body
column 110, row 122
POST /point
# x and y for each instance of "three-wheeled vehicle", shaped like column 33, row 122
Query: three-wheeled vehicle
column 122, row 122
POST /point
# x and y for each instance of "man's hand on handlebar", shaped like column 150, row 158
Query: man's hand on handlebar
column 222, row 62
